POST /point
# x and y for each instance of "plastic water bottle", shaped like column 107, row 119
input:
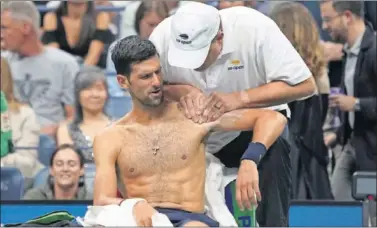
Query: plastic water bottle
column 6, row 131
column 245, row 218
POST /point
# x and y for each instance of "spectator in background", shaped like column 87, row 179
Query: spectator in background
column 65, row 181
column 310, row 178
column 43, row 76
column 344, row 22
column 223, row 4
column 148, row 15
column 25, row 131
column 141, row 17
column 91, row 94
column 75, row 28
column 371, row 13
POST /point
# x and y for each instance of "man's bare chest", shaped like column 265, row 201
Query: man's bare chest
column 162, row 147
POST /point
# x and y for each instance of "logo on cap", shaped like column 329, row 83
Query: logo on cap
column 184, row 39
column 184, row 36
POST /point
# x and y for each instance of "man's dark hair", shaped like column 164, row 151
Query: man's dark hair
column 131, row 50
column 355, row 7
column 68, row 146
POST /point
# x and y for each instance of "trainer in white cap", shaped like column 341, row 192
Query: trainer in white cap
column 235, row 58
column 193, row 27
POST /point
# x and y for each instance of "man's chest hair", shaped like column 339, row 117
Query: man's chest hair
column 163, row 145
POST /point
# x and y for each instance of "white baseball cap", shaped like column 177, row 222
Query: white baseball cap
column 193, row 27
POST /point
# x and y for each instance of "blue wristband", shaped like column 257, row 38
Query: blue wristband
column 254, row 152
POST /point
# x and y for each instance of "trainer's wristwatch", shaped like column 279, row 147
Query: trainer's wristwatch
column 357, row 104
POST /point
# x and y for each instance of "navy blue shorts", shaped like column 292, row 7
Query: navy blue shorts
column 180, row 217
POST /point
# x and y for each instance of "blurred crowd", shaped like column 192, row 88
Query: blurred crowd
column 57, row 84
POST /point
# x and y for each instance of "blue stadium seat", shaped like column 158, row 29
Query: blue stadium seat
column 46, row 148
column 12, row 184
column 41, row 178
column 117, row 107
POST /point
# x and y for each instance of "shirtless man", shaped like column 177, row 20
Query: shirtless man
column 160, row 153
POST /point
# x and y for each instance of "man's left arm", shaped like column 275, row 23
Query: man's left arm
column 68, row 99
column 267, row 125
column 364, row 105
column 368, row 105
column 287, row 76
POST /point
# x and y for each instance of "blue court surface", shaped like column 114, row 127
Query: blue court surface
column 301, row 214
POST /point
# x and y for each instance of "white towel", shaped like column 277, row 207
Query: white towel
column 214, row 192
column 115, row 215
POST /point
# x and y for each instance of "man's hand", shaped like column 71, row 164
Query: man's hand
column 332, row 51
column 247, row 185
column 143, row 213
column 329, row 138
column 217, row 104
column 191, row 104
column 343, row 102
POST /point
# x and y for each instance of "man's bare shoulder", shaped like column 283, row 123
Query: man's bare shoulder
column 116, row 129
column 179, row 115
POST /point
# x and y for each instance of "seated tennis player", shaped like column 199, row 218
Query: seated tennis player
column 159, row 152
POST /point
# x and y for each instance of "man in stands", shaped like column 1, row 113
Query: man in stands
column 66, row 171
column 161, row 154
column 43, row 76
column 358, row 103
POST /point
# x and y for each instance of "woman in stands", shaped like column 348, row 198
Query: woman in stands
column 76, row 28
column 66, row 179
column 25, row 131
column 91, row 93
column 140, row 18
column 309, row 154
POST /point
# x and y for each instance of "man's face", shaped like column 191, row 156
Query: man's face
column 12, row 32
column 145, row 82
column 333, row 22
column 148, row 23
column 213, row 53
column 66, row 169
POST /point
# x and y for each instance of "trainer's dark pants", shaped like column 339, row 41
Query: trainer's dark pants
column 274, row 177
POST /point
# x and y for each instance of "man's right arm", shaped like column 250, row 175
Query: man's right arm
column 105, row 149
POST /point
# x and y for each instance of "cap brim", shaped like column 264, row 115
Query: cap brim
column 187, row 59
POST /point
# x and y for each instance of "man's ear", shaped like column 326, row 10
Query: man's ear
column 26, row 28
column 123, row 81
column 349, row 16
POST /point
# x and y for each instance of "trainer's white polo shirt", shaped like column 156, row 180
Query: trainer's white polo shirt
column 255, row 52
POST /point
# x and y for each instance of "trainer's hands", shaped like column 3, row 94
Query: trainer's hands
column 143, row 213
column 247, row 185
column 202, row 109
column 192, row 104
column 217, row 104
